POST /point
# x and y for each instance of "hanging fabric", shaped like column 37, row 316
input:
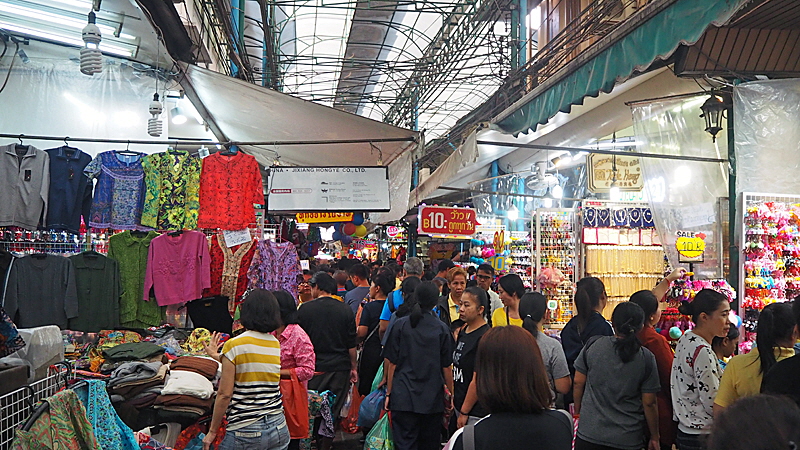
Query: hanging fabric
column 70, row 195
column 119, row 196
column 130, row 251
column 229, row 186
column 24, row 185
column 229, row 267
column 178, row 267
column 275, row 267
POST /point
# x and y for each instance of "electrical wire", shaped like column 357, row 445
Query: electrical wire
column 13, row 57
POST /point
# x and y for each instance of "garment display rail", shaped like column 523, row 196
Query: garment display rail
column 176, row 142
column 17, row 406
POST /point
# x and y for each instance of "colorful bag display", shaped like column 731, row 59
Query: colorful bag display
column 295, row 406
column 380, row 436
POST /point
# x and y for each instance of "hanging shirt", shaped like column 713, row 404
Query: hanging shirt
column 70, row 194
column 229, row 186
column 119, row 194
column 275, row 267
column 229, row 266
column 172, row 190
column 41, row 291
column 131, row 252
column 24, row 185
column 178, row 268
column 97, row 282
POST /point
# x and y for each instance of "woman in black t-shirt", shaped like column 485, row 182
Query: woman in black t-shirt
column 368, row 326
column 512, row 384
column 474, row 305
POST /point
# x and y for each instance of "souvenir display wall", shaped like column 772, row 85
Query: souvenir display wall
column 621, row 247
column 556, row 259
column 771, row 251
column 673, row 323
column 521, row 259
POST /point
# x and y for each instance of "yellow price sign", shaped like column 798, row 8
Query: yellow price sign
column 691, row 246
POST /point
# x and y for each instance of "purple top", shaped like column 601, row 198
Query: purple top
column 178, row 268
column 119, row 195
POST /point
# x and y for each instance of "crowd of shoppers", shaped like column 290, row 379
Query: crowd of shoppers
column 473, row 345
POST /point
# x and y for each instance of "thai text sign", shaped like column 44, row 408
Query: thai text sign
column 323, row 217
column 601, row 173
column 450, row 221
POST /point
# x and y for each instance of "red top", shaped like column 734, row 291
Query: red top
column 229, row 186
column 229, row 268
column 658, row 345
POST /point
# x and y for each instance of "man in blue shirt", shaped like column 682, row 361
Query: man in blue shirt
column 412, row 268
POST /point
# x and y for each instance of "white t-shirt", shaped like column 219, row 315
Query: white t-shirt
column 694, row 383
column 494, row 300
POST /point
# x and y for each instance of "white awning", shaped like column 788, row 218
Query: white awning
column 243, row 112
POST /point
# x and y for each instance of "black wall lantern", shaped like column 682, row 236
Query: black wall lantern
column 713, row 110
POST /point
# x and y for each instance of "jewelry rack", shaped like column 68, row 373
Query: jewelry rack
column 555, row 245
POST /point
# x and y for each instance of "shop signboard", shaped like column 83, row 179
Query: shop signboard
column 333, row 189
column 691, row 246
column 438, row 220
column 601, row 173
column 324, row 217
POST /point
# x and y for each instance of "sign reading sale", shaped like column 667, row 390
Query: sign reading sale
column 450, row 221
column 691, row 246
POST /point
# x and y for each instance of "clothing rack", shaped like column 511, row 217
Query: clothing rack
column 176, row 142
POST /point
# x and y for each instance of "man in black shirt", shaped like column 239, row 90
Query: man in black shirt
column 331, row 326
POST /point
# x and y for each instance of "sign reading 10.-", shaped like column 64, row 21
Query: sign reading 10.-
column 448, row 221
column 691, row 246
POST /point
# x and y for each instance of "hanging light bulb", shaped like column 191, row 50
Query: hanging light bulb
column 614, row 193
column 154, row 124
column 547, row 200
column 557, row 191
column 513, row 213
column 91, row 56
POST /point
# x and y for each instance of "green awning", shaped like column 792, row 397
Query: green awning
column 682, row 22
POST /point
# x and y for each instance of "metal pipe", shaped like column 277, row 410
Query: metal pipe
column 476, row 191
column 202, row 142
column 604, row 152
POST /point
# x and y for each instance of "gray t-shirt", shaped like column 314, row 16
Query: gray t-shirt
column 611, row 410
column 354, row 296
column 554, row 360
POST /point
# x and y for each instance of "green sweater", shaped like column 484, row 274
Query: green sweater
column 131, row 254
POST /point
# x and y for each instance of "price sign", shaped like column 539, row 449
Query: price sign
column 499, row 241
column 691, row 246
column 393, row 231
column 449, row 221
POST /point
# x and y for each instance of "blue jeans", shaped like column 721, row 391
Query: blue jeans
column 268, row 433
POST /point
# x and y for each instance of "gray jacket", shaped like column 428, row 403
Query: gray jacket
column 24, row 186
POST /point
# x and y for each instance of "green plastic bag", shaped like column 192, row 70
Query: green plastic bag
column 380, row 436
column 378, row 379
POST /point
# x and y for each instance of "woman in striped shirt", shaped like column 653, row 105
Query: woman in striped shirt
column 249, row 387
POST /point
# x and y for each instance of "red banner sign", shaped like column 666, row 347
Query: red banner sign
column 451, row 221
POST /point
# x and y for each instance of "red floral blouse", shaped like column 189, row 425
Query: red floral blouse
column 229, row 268
column 229, row 186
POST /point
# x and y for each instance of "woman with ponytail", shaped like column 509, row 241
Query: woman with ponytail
column 419, row 351
column 616, row 381
column 695, row 371
column 774, row 342
column 532, row 308
column 590, row 299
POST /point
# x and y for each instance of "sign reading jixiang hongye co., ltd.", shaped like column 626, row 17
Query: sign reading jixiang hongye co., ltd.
column 299, row 189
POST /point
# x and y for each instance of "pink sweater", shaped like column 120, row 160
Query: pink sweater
column 297, row 352
column 178, row 268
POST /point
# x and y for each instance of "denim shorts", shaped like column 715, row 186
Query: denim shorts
column 268, row 433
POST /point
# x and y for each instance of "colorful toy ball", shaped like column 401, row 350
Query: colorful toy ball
column 358, row 219
column 349, row 228
column 675, row 333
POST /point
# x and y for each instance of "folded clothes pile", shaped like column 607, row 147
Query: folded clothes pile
column 131, row 351
column 188, row 388
column 137, row 383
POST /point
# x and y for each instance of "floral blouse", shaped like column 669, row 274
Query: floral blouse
column 172, row 196
column 119, row 194
column 275, row 267
column 229, row 186
column 229, row 270
column 297, row 352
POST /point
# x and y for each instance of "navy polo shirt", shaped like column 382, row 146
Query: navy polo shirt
column 70, row 193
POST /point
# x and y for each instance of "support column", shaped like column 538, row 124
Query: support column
column 515, row 35
column 733, row 242
column 523, row 32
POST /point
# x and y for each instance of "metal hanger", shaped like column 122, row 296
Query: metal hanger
column 128, row 151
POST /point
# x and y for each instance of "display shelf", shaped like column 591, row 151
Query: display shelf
column 555, row 246
column 770, row 243
column 521, row 254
